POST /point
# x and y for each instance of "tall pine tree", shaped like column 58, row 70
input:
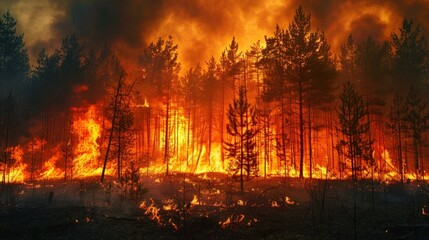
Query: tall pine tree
column 241, row 149
column 14, row 63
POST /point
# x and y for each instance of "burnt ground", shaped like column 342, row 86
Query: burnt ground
column 198, row 207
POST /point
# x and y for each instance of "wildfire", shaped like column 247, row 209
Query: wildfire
column 50, row 170
column 151, row 210
column 14, row 172
column 195, row 201
column 289, row 201
column 274, row 204
column 232, row 220
column 189, row 153
column 169, row 205
column 87, row 129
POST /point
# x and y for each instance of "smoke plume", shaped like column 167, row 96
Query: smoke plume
column 202, row 28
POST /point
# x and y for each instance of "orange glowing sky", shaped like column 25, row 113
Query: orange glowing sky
column 201, row 28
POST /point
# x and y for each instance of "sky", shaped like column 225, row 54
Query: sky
column 201, row 28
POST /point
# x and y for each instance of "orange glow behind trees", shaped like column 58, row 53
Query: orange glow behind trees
column 180, row 123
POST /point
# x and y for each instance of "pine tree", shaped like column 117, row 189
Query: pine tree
column 395, row 123
column 230, row 67
column 352, row 115
column 14, row 62
column 348, row 59
column 241, row 149
column 120, row 131
column 7, row 120
column 416, row 120
column 409, row 60
column 297, row 61
column 160, row 71
column 191, row 88
column 210, row 88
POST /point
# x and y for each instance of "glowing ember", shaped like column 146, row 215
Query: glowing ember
column 169, row 205
column 233, row 219
column 289, row 201
column 195, row 201
column 151, row 210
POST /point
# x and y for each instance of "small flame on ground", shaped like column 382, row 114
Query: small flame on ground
column 289, row 201
column 169, row 205
column 274, row 204
column 233, row 219
column 195, row 200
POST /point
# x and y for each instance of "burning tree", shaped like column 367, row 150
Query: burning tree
column 241, row 149
column 121, row 135
column 298, row 65
column 160, row 70
column 7, row 118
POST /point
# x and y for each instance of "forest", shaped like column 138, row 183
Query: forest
column 251, row 128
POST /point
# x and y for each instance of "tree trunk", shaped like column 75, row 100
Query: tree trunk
column 115, row 109
column 301, row 132
column 401, row 171
column 416, row 158
column 209, row 150
column 310, row 151
column 166, row 140
column 119, row 156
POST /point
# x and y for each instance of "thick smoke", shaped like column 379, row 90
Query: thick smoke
column 204, row 28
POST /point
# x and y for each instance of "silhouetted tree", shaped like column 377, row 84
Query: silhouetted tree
column 416, row 120
column 348, row 60
column 44, row 78
column 241, row 149
column 230, row 69
column 7, row 120
column 352, row 115
column 373, row 65
column 410, row 55
column 160, row 70
column 395, row 123
column 210, row 90
column 192, row 92
column 14, row 63
column 291, row 59
column 121, row 133
column 276, row 87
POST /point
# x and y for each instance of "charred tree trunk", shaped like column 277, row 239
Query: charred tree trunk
column 416, row 158
column 283, row 133
column 209, row 150
column 310, row 153
column 301, row 131
column 401, row 170
column 166, row 140
column 119, row 156
column 114, row 116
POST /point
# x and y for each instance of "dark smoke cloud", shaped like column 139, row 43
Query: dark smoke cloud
column 97, row 21
column 204, row 28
